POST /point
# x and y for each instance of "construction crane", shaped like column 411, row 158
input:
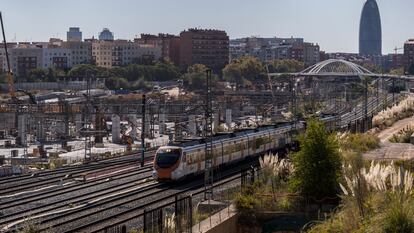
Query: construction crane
column 396, row 49
column 9, row 71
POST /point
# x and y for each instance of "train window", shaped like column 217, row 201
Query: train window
column 184, row 156
column 167, row 157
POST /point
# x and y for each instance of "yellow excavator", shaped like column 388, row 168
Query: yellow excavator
column 9, row 76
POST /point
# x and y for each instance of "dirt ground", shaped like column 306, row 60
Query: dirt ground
column 393, row 151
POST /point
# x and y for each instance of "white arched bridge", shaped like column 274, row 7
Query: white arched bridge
column 340, row 68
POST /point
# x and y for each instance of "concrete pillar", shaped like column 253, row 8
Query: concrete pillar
column 178, row 132
column 228, row 118
column 78, row 124
column 61, row 128
column 147, row 125
column 192, row 125
column 216, row 121
column 21, row 129
column 161, row 121
column 134, row 124
column 116, row 129
column 40, row 132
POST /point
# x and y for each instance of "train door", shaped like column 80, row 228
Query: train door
column 252, row 145
column 240, row 147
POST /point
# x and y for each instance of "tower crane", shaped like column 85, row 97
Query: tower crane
column 9, row 71
column 396, row 49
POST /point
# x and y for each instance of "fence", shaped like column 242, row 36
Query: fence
column 191, row 213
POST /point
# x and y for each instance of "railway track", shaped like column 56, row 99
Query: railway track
column 75, row 169
column 78, row 200
column 100, row 224
column 75, row 186
column 118, row 206
column 39, row 181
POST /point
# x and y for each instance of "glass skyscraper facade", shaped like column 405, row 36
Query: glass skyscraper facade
column 370, row 37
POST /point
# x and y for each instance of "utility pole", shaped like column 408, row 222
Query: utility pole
column 393, row 90
column 88, row 149
column 143, row 131
column 208, row 135
column 365, row 103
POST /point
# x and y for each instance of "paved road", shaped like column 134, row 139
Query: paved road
column 393, row 151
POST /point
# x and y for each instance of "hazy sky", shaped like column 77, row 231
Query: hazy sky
column 333, row 24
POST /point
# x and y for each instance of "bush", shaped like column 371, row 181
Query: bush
column 247, row 204
column 317, row 164
column 403, row 136
column 397, row 112
column 360, row 142
column 399, row 219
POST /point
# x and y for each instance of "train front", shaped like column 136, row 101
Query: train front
column 167, row 163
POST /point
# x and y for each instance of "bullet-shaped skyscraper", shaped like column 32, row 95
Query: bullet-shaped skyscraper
column 370, row 37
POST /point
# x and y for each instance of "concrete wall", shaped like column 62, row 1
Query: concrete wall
column 227, row 226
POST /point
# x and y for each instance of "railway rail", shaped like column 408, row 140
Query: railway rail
column 72, row 200
column 50, row 177
column 100, row 224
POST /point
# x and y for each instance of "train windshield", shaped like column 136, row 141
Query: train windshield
column 167, row 157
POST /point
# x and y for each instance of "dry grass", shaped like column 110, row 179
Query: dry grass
column 389, row 116
column 359, row 142
column 377, row 199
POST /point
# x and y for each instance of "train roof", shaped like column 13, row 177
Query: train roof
column 221, row 136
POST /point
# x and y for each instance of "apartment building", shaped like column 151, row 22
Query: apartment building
column 60, row 58
column 81, row 51
column 201, row 46
column 409, row 54
column 169, row 44
column 122, row 52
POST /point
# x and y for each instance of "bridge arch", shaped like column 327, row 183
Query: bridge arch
column 336, row 67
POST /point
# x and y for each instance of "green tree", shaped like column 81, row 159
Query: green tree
column 251, row 68
column 87, row 69
column 286, row 66
column 115, row 83
column 167, row 71
column 243, row 70
column 317, row 164
column 195, row 78
column 232, row 73
column 37, row 75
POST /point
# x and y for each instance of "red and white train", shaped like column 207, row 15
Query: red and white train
column 177, row 161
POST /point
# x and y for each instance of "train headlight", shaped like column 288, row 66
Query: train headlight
column 154, row 175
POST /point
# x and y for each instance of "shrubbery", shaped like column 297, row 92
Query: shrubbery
column 359, row 142
column 397, row 112
column 375, row 200
column 317, row 164
column 403, row 136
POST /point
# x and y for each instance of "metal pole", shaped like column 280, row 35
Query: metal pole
column 143, row 132
column 145, row 221
column 208, row 160
column 393, row 91
column 366, row 104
